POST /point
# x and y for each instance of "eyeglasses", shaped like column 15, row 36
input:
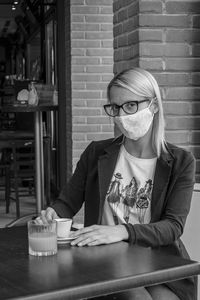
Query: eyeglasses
column 129, row 108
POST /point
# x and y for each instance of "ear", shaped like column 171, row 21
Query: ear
column 155, row 106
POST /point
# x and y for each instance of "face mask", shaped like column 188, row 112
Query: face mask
column 135, row 126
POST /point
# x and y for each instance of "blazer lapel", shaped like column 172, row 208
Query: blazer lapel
column 161, row 180
column 106, row 166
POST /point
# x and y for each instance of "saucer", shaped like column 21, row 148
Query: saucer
column 65, row 239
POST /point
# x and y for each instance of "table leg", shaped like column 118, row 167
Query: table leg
column 41, row 157
column 38, row 162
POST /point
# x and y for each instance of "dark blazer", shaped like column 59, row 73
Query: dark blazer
column 170, row 203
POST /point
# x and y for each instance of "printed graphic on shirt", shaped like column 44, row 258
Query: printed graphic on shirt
column 130, row 198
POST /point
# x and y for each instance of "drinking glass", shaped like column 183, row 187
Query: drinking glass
column 42, row 238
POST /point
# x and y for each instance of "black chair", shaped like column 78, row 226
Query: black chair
column 21, row 172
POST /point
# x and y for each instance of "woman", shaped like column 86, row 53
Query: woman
column 136, row 187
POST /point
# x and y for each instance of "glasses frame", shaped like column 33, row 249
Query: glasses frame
column 122, row 106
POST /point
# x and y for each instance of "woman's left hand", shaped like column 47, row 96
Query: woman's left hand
column 99, row 234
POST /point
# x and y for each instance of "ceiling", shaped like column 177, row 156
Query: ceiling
column 7, row 17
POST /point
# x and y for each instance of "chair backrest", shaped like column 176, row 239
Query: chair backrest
column 23, row 158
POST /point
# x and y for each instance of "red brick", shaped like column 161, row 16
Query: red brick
column 107, row 43
column 82, row 60
column 78, row 52
column 77, row 18
column 183, row 35
column 155, row 35
column 86, row 94
column 99, row 136
column 85, row 27
column 131, row 24
column 172, row 79
column 195, row 78
column 98, row 35
column 99, row 69
column 182, row 122
column 97, row 86
column 99, row 2
column 194, row 137
column 118, row 29
column 182, row 93
column 122, row 40
column 151, row 64
column 85, row 44
column 86, row 128
column 108, row 128
column 196, row 109
column 79, row 120
column 78, row 136
column 158, row 49
column 196, row 21
column 130, row 52
column 150, row 7
column 164, row 21
column 86, row 78
column 133, row 9
column 78, row 35
column 77, row 2
column 183, row 64
column 96, row 103
column 133, row 37
column 78, row 85
column 99, row 52
column 107, row 60
column 122, row 15
column 178, row 137
column 177, row 108
column 180, row 7
column 196, row 50
column 106, row 27
column 95, row 120
column 84, row 10
column 106, row 10
column 98, row 19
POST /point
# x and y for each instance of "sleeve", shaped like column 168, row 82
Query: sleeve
column 171, row 224
column 72, row 195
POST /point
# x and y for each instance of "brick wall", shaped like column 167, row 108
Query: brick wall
column 92, row 69
column 167, row 43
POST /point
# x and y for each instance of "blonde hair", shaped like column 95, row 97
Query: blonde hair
column 142, row 83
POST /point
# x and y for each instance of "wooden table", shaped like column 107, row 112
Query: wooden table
column 77, row 273
column 37, row 110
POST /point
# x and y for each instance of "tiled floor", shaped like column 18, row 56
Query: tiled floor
column 27, row 206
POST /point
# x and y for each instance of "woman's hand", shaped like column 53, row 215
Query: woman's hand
column 46, row 216
column 99, row 234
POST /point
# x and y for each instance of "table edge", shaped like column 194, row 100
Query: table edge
column 103, row 288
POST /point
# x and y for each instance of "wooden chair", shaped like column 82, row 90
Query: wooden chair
column 22, row 171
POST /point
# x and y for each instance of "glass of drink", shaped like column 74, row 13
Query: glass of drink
column 42, row 238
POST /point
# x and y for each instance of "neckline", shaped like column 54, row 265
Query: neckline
column 135, row 157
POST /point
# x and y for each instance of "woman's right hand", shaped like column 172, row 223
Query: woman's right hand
column 46, row 216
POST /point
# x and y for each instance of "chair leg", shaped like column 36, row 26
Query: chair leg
column 7, row 188
column 17, row 197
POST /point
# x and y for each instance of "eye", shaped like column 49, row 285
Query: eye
column 130, row 105
column 115, row 107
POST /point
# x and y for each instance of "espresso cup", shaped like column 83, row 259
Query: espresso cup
column 63, row 227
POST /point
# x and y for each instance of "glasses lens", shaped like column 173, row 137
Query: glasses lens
column 111, row 109
column 130, row 107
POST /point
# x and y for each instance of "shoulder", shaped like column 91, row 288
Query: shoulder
column 99, row 147
column 181, row 155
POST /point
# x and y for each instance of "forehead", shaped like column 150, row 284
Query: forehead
column 119, row 95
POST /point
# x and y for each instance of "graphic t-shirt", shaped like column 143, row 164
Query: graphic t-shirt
column 128, row 199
